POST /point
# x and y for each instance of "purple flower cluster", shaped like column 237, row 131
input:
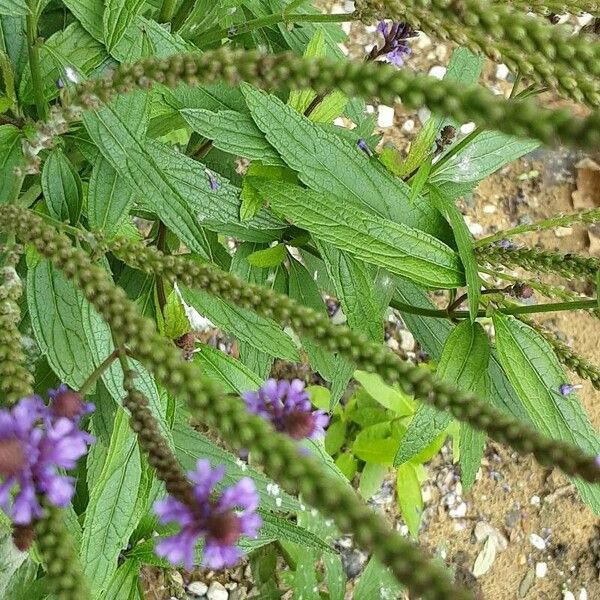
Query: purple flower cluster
column 395, row 42
column 287, row 405
column 220, row 518
column 35, row 441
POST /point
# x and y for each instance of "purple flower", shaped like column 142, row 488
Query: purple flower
column 566, row 389
column 395, row 42
column 64, row 402
column 221, row 520
column 34, row 444
column 287, row 405
column 506, row 244
column 212, row 181
column 364, row 147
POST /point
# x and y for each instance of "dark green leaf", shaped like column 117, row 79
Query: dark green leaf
column 404, row 251
column 109, row 198
column 14, row 8
column 10, row 157
column 376, row 583
column 464, row 362
column 62, row 187
column 536, row 374
column 118, row 15
column 89, row 14
column 464, row 244
column 125, row 583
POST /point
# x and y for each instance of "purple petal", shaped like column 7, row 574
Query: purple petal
column 243, row 494
column 217, row 556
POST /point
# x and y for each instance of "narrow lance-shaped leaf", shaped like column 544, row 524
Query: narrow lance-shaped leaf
column 536, row 374
column 464, row 362
column 464, row 243
column 404, row 251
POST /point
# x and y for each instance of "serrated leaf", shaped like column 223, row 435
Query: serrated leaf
column 269, row 257
column 13, row 8
column 89, row 14
column 371, row 478
column 109, row 199
column 376, row 444
column 71, row 47
column 376, row 583
column 11, row 155
column 118, row 16
column 464, row 244
column 232, row 132
column 347, row 465
column 252, row 199
column 410, row 500
column 484, row 155
column 464, row 66
column 333, row 166
column 112, row 512
column 301, row 99
column 386, row 395
column 533, row 369
column 62, row 187
column 175, row 320
column 431, row 333
column 404, row 251
column 278, row 528
column 125, row 583
column 263, row 334
column 335, row 436
column 464, row 362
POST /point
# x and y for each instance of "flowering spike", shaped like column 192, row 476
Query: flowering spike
column 220, row 518
column 395, row 42
column 287, row 406
column 67, row 403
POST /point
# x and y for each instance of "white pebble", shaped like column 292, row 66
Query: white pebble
column 502, row 71
column 561, row 232
column 437, row 71
column 370, row 109
column 408, row 125
column 583, row 595
column 346, row 27
column 423, row 114
column 458, row 512
column 535, row 501
column 567, row 595
column 339, row 121
column 541, row 569
column 537, row 541
column 489, row 209
column 217, row 592
column 407, row 340
column 467, row 128
column 385, row 116
column 198, row 588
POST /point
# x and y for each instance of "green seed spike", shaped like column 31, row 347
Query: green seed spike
column 558, row 7
column 568, row 265
column 522, row 117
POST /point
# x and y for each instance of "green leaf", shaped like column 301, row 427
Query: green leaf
column 301, row 99
column 484, row 155
column 464, row 362
column 263, row 334
column 55, row 309
column 62, row 187
column 11, row 155
column 404, row 251
column 22, row 585
column 279, row 528
column 371, row 478
column 118, row 16
column 432, row 333
column 420, row 179
column 10, row 559
column 232, row 132
column 113, row 510
column 175, row 320
column 410, row 500
column 125, row 583
column 89, row 14
column 534, row 371
column 386, row 395
column 109, row 199
column 333, row 166
column 464, row 243
column 376, row 583
column 464, row 66
column 252, row 199
column 13, row 8
column 71, row 47
column 335, row 436
column 376, row 444
column 347, row 464
column 269, row 257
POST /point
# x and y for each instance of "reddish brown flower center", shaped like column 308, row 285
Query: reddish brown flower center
column 298, row 424
column 23, row 536
column 67, row 404
column 225, row 528
column 12, row 457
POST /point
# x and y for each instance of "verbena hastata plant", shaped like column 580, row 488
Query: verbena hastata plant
column 168, row 164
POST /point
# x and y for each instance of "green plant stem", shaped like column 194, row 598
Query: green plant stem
column 99, row 371
column 166, row 11
column 517, row 310
column 589, row 216
column 34, row 60
column 216, row 34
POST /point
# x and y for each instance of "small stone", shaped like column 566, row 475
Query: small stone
column 437, row 71
column 385, row 116
column 489, row 209
column 485, row 559
column 423, row 114
column 535, row 501
column 484, row 531
column 537, row 541
column 541, row 569
column 502, row 71
column 567, row 595
column 407, row 341
column 467, row 128
column 583, row 595
column 216, row 591
column 353, row 562
column 561, row 232
column 526, row 583
column 408, row 125
column 459, row 511
column 512, row 518
column 198, row 588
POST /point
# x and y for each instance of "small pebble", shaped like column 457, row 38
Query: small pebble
column 541, row 569
column 408, row 126
column 537, row 541
column 437, row 71
column 407, row 341
column 583, row 595
column 198, row 588
column 489, row 209
column 467, row 128
column 535, row 501
column 502, row 71
column 561, row 232
column 385, row 116
column 459, row 511
column 567, row 595
column 216, row 591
